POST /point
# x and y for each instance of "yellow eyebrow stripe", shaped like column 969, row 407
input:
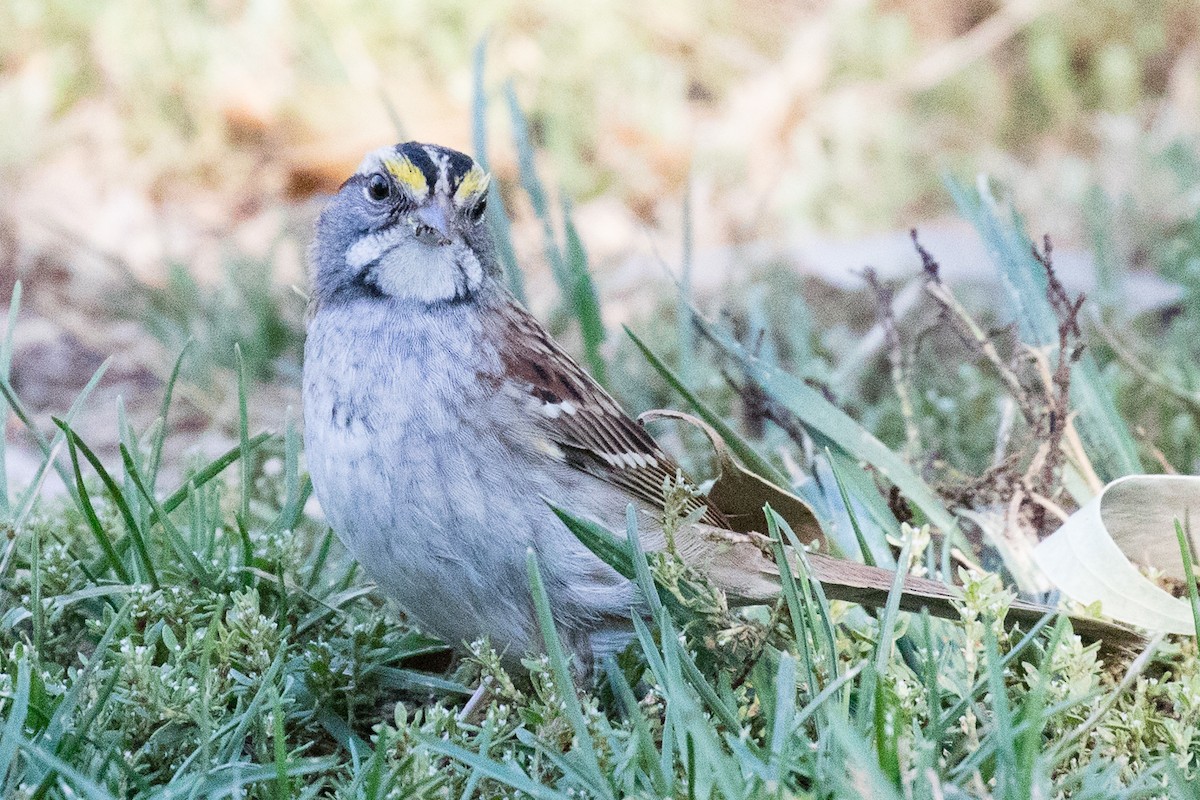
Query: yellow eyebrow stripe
column 475, row 182
column 408, row 175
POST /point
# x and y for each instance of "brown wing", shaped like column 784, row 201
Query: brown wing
column 593, row 431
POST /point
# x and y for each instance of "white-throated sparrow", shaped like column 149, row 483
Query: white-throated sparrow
column 440, row 417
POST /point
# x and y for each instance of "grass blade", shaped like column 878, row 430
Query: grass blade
column 84, row 502
column 683, row 302
column 1006, row 755
column 88, row 788
column 887, row 622
column 507, row 774
column 866, row 496
column 815, row 601
column 174, row 537
column 532, row 184
column 17, row 711
column 952, row 716
column 214, row 468
column 864, row 549
column 562, row 677
column 599, row 540
column 282, row 785
column 60, row 733
column 295, row 491
column 791, row 597
column 6, row 353
column 243, row 437
column 1185, row 552
column 35, row 592
column 497, row 214
column 641, row 569
column 49, row 448
column 785, row 708
column 642, row 735
column 584, row 302
column 627, row 560
column 118, row 497
column 161, row 434
column 231, row 779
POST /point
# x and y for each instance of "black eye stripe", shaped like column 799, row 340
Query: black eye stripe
column 477, row 209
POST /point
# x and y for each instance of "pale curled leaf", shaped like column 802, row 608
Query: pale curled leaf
column 741, row 495
column 1092, row 557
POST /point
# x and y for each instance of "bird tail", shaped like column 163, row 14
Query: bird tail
column 749, row 575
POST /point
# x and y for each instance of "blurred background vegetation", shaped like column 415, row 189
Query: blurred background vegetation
column 160, row 163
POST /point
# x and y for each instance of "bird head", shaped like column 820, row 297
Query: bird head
column 408, row 224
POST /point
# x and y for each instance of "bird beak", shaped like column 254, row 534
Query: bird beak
column 432, row 225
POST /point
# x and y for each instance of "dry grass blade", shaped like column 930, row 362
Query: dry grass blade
column 858, row 583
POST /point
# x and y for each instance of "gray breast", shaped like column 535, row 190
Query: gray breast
column 391, row 398
column 417, row 462
column 405, row 447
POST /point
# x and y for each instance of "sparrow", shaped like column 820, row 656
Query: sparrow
column 441, row 421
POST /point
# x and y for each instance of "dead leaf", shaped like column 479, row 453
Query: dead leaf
column 741, row 495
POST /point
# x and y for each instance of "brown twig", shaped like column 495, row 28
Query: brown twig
column 1070, row 349
column 886, row 319
column 1043, row 398
column 970, row 330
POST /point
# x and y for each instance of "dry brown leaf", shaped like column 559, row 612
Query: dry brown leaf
column 869, row 586
column 741, row 495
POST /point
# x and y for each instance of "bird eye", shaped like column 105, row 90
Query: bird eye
column 378, row 188
column 477, row 210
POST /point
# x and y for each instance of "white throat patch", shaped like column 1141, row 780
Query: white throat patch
column 400, row 266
